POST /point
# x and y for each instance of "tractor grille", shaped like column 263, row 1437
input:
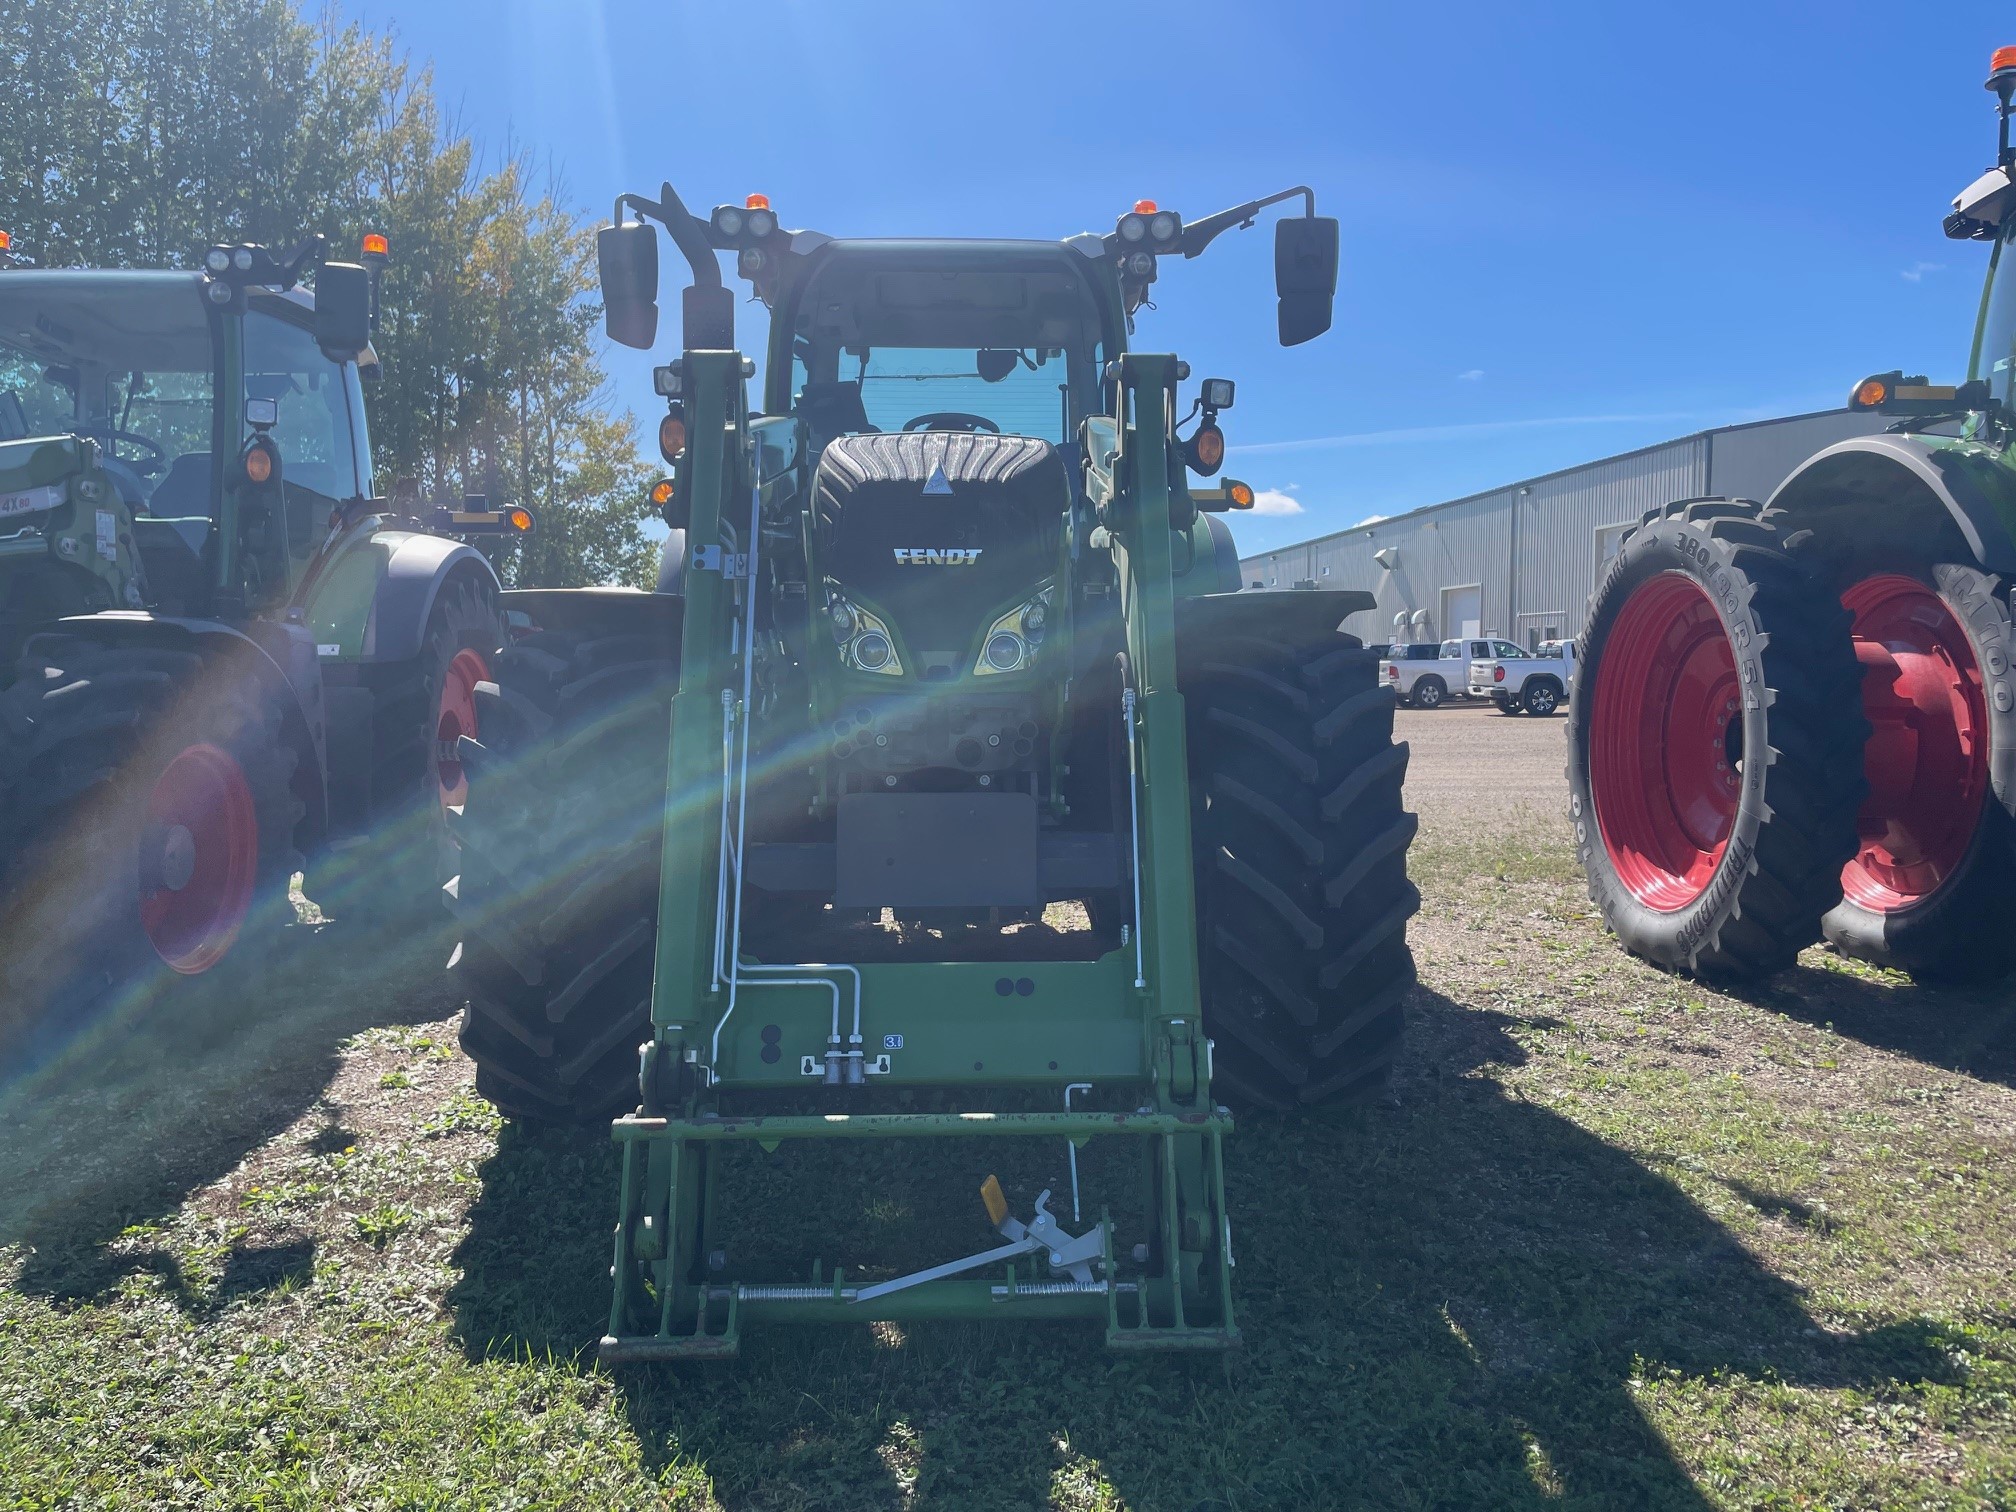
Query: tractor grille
column 940, row 530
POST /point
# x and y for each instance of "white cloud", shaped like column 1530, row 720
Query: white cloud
column 1275, row 501
column 1470, row 375
column 1917, row 271
column 1368, row 520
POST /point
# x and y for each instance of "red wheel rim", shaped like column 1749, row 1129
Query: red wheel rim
column 200, row 859
column 455, row 716
column 1927, row 757
column 1665, row 742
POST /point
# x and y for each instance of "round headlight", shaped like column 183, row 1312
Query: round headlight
column 728, row 220
column 1133, row 227
column 219, row 293
column 762, row 222
column 1141, row 264
column 1004, row 651
column 1162, row 226
column 242, row 259
column 751, row 260
column 217, row 259
column 842, row 615
column 872, row 651
column 1034, row 616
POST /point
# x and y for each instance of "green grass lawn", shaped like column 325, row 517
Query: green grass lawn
column 1615, row 1241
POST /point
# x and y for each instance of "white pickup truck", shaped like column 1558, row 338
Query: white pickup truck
column 1533, row 682
column 1428, row 673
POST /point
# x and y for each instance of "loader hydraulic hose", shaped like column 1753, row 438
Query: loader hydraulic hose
column 731, row 858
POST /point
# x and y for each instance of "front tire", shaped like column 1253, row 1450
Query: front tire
column 1715, row 743
column 1428, row 692
column 1301, row 869
column 558, row 895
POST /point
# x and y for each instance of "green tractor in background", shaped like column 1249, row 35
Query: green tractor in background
column 1797, row 719
column 221, row 657
column 987, row 792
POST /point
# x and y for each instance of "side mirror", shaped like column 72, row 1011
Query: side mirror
column 342, row 310
column 1305, row 276
column 626, row 260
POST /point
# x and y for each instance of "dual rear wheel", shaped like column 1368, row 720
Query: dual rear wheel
column 1777, row 741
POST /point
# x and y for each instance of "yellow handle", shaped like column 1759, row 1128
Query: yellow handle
column 997, row 1205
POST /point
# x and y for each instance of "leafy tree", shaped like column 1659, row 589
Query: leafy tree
column 138, row 135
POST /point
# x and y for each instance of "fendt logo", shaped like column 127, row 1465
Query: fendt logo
column 937, row 556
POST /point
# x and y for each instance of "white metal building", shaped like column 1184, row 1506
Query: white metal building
column 1522, row 560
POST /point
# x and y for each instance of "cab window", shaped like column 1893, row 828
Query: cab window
column 318, row 453
column 1506, row 649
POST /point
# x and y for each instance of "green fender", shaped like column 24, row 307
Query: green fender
column 1972, row 484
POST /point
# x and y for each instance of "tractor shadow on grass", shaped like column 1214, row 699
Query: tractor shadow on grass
column 1448, row 1298
column 149, row 1096
column 1969, row 1029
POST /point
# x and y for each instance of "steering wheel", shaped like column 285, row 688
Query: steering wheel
column 958, row 420
column 157, row 454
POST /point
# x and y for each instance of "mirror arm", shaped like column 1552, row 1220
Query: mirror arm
column 688, row 234
column 1199, row 234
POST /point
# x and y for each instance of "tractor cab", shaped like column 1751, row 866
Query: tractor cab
column 177, row 441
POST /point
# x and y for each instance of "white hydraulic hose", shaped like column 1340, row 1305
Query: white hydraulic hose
column 1134, row 805
column 734, row 966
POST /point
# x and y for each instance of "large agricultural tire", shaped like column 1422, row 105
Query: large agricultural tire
column 1715, row 743
column 558, row 894
column 1301, row 869
column 417, row 720
column 1930, row 888
column 148, row 817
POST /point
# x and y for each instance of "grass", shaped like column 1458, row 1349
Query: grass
column 1615, row 1241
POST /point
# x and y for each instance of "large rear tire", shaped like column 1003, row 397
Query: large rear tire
column 1301, row 869
column 147, row 814
column 1715, row 743
column 557, row 898
column 1929, row 888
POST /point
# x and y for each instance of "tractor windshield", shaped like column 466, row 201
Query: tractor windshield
column 977, row 336
column 902, row 387
column 1995, row 354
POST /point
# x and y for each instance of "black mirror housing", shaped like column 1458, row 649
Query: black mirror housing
column 626, row 262
column 342, row 310
column 1305, row 276
column 994, row 363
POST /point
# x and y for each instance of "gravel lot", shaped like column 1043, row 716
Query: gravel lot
column 1470, row 764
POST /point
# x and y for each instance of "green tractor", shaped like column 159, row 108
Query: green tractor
column 991, row 806
column 1797, row 719
column 220, row 655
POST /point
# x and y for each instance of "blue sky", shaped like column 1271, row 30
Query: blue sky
column 1568, row 229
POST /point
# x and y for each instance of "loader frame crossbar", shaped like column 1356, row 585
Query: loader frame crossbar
column 1128, row 1021
column 699, row 1318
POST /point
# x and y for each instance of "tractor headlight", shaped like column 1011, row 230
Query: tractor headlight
column 1164, row 226
column 1133, row 226
column 1012, row 641
column 761, row 222
column 865, row 642
column 728, row 220
column 1141, row 264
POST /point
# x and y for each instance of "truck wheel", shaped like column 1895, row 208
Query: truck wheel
column 1715, row 746
column 1301, row 869
column 1505, row 703
column 148, row 811
column 558, row 895
column 1429, row 692
column 1540, row 698
column 1929, row 889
